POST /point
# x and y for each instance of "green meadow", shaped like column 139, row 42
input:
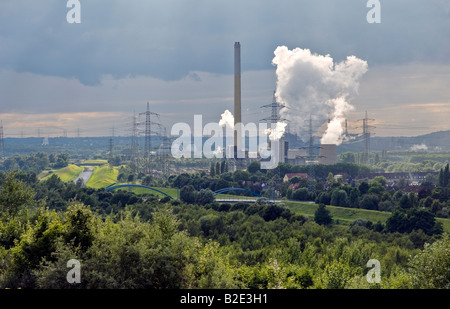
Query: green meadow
column 66, row 174
column 344, row 215
column 103, row 176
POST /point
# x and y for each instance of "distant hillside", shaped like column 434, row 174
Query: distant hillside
column 85, row 146
column 433, row 141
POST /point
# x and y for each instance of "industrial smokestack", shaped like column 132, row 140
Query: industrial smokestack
column 237, row 97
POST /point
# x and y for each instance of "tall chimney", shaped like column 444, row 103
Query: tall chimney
column 237, row 96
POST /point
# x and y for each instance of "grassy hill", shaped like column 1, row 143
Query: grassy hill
column 66, row 174
column 347, row 215
column 103, row 176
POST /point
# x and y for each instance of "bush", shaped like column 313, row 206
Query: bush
column 301, row 194
column 339, row 198
column 430, row 268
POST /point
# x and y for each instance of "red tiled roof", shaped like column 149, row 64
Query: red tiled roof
column 300, row 175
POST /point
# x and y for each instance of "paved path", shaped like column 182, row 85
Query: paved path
column 85, row 175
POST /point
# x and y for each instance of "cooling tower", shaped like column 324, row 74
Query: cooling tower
column 328, row 154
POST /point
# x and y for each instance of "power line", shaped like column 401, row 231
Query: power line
column 275, row 109
column 366, row 138
column 148, row 137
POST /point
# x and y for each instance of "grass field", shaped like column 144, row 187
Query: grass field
column 231, row 196
column 445, row 224
column 94, row 162
column 103, row 176
column 66, row 174
column 343, row 214
column 348, row 215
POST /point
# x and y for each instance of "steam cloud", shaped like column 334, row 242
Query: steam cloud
column 227, row 119
column 417, row 147
column 277, row 132
column 312, row 84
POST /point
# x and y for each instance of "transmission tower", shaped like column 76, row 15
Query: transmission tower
column 311, row 158
column 275, row 114
column 164, row 153
column 148, row 138
column 2, row 144
column 134, row 147
column 366, row 139
column 111, row 144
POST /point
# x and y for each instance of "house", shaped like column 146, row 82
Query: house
column 413, row 177
column 289, row 176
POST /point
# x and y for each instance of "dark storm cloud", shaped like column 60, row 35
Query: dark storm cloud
column 168, row 39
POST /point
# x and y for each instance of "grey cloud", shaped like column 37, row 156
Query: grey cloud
column 168, row 39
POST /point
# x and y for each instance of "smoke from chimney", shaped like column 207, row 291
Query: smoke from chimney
column 227, row 119
column 312, row 84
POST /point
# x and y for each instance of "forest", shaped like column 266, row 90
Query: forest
column 130, row 241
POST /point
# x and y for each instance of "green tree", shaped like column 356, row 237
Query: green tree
column 222, row 167
column 204, row 196
column 330, row 178
column 322, row 215
column 240, row 176
column 337, row 275
column 369, row 201
column 348, row 157
column 323, row 198
column 62, row 160
column 363, row 187
column 212, row 170
column 430, row 268
column 188, row 194
column 405, row 202
column 217, row 168
column 80, row 226
column 339, row 198
column 14, row 195
column 254, row 167
column 301, row 194
column 444, row 176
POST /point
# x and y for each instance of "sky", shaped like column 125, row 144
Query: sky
column 59, row 78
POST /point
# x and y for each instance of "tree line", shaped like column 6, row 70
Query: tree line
column 149, row 242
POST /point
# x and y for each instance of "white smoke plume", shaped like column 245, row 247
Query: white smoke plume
column 417, row 147
column 313, row 85
column 277, row 132
column 227, row 119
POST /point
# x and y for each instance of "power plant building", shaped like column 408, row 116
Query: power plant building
column 296, row 156
column 328, row 154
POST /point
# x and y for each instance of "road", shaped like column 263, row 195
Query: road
column 85, row 175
